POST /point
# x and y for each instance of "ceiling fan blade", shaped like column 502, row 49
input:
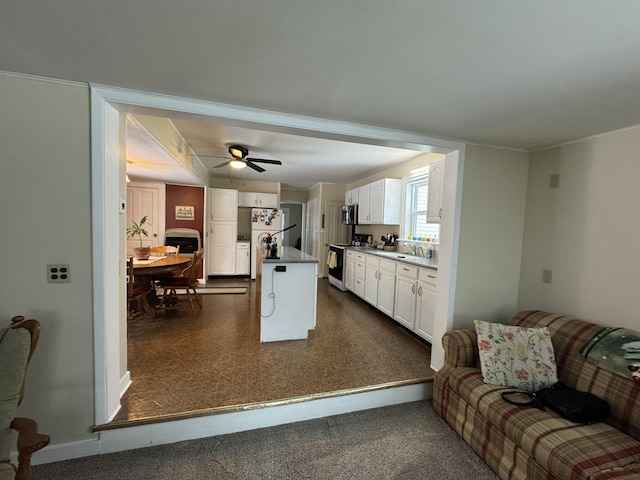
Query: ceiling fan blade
column 263, row 160
column 255, row 167
column 223, row 164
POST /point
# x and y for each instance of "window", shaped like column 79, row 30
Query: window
column 416, row 195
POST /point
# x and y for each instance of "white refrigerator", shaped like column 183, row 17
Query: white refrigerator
column 264, row 221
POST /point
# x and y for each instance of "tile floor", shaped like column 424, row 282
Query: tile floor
column 182, row 364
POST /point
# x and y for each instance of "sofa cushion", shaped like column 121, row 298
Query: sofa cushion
column 516, row 356
column 566, row 449
column 7, row 471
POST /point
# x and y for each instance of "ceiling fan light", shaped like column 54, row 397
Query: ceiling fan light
column 237, row 151
column 237, row 164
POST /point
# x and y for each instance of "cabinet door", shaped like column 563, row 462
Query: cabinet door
column 223, row 204
column 434, row 203
column 386, row 292
column 222, row 248
column 223, row 261
column 243, row 265
column 371, row 284
column 404, row 310
column 349, row 274
column 376, row 202
column 364, row 215
column 247, row 199
column 425, row 306
column 268, row 200
column 358, row 286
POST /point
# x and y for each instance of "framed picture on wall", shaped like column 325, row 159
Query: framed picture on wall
column 185, row 212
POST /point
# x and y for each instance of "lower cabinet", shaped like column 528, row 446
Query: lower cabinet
column 379, row 283
column 359, row 274
column 415, row 299
column 425, row 303
column 350, row 270
column 243, row 258
column 405, row 307
column 404, row 292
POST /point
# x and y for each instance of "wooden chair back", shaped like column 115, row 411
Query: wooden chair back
column 165, row 250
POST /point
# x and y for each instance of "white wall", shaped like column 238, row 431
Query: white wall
column 46, row 218
column 491, row 231
column 585, row 231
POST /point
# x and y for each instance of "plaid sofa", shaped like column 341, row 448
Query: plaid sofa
column 527, row 443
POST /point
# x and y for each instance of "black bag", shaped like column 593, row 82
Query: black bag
column 579, row 407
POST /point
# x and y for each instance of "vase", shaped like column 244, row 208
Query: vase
column 142, row 253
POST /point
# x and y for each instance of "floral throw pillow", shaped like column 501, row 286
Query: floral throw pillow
column 518, row 357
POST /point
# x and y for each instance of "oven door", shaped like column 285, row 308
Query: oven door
column 336, row 266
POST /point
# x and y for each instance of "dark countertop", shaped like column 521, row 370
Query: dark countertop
column 292, row 255
column 416, row 261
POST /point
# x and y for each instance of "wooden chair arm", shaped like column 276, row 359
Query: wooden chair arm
column 29, row 441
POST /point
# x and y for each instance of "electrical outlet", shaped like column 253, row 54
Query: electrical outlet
column 58, row 273
column 546, row 276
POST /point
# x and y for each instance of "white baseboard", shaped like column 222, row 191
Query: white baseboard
column 116, row 440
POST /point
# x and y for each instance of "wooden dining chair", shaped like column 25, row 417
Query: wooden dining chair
column 187, row 279
column 165, row 250
column 17, row 344
column 137, row 293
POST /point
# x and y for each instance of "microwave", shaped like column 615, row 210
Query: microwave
column 350, row 214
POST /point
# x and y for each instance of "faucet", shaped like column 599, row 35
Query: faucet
column 421, row 250
column 413, row 247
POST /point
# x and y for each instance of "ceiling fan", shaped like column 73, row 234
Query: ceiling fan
column 240, row 159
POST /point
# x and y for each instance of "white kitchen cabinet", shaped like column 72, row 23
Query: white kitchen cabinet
column 364, row 214
column 372, row 266
column 425, row 303
column 258, row 200
column 351, row 197
column 406, row 288
column 243, row 258
column 359, row 274
column 350, row 270
column 223, row 230
column 436, row 187
column 379, row 202
column 386, row 286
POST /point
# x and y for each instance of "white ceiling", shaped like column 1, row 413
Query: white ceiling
column 517, row 74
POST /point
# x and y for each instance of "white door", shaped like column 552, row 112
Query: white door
column 386, row 291
column 146, row 199
column 371, row 284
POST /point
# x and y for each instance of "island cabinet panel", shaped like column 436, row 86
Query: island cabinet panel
column 288, row 295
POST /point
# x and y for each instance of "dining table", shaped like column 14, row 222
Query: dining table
column 145, row 270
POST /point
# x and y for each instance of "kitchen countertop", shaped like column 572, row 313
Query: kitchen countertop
column 431, row 263
column 292, row 255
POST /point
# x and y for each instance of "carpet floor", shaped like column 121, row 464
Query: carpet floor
column 407, row 441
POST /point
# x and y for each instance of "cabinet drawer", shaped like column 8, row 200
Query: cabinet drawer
column 407, row 270
column 373, row 261
column 361, row 256
column 360, row 269
column 351, row 254
column 388, row 265
column 428, row 275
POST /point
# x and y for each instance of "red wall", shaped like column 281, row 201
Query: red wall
column 186, row 196
column 180, row 195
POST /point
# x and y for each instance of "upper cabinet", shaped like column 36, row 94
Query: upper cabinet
column 379, row 202
column 434, row 204
column 258, row 200
column 351, row 197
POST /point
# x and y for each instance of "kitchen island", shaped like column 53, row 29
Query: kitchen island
column 288, row 292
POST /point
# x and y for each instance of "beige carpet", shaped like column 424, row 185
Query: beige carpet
column 401, row 442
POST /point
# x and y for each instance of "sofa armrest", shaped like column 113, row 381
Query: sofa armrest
column 460, row 348
column 29, row 441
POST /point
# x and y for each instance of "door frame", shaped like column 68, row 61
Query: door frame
column 107, row 180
